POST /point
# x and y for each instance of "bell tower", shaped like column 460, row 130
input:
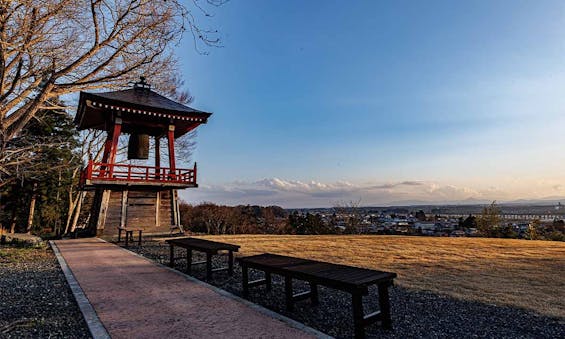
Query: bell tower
column 127, row 194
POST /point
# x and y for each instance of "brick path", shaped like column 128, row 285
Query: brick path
column 137, row 298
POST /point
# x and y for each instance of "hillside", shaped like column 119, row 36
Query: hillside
column 519, row 273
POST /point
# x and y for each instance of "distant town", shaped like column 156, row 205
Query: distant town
column 512, row 221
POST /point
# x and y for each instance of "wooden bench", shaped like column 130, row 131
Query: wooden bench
column 341, row 277
column 206, row 246
column 129, row 235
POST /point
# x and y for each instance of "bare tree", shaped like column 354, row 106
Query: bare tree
column 18, row 157
column 489, row 220
column 350, row 212
column 51, row 48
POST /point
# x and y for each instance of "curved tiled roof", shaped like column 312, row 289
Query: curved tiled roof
column 95, row 109
column 147, row 98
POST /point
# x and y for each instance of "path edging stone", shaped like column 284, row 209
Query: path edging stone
column 95, row 326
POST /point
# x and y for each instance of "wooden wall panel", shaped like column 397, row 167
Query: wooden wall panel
column 113, row 213
column 165, row 215
column 140, row 211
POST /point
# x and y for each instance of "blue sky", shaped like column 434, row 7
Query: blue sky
column 317, row 102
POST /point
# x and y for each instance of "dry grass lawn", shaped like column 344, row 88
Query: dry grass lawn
column 520, row 273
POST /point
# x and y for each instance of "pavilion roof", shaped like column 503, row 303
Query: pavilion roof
column 142, row 105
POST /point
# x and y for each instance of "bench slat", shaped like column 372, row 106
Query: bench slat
column 371, row 318
column 219, row 269
column 257, row 282
column 302, row 295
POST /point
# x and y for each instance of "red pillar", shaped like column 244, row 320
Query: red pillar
column 171, row 139
column 157, row 157
column 107, row 146
column 115, row 138
column 106, row 154
column 111, row 156
column 110, row 147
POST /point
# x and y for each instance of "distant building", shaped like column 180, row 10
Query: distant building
column 457, row 233
column 425, row 228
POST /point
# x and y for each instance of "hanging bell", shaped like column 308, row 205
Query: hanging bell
column 138, row 146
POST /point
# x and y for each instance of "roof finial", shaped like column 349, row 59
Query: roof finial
column 141, row 83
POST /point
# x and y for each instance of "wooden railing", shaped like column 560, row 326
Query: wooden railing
column 136, row 173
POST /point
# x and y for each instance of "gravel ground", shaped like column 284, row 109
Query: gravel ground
column 35, row 299
column 415, row 314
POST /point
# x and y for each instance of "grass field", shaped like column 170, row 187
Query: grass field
column 519, row 273
column 14, row 255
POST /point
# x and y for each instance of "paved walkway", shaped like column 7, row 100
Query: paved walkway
column 137, row 298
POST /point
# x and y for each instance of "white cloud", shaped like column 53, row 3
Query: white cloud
column 295, row 193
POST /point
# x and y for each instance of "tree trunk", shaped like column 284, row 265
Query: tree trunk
column 72, row 202
column 72, row 205
column 31, row 210
column 13, row 222
column 77, row 211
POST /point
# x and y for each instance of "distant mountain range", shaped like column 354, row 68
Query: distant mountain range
column 472, row 201
column 548, row 205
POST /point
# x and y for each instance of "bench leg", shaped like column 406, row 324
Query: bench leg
column 314, row 294
column 119, row 235
column 245, row 280
column 127, row 238
column 268, row 281
column 384, row 304
column 288, row 292
column 357, row 303
column 230, row 262
column 171, row 255
column 208, row 266
column 139, row 239
column 188, row 261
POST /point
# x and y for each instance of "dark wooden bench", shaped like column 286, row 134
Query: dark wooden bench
column 206, row 246
column 129, row 235
column 341, row 277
